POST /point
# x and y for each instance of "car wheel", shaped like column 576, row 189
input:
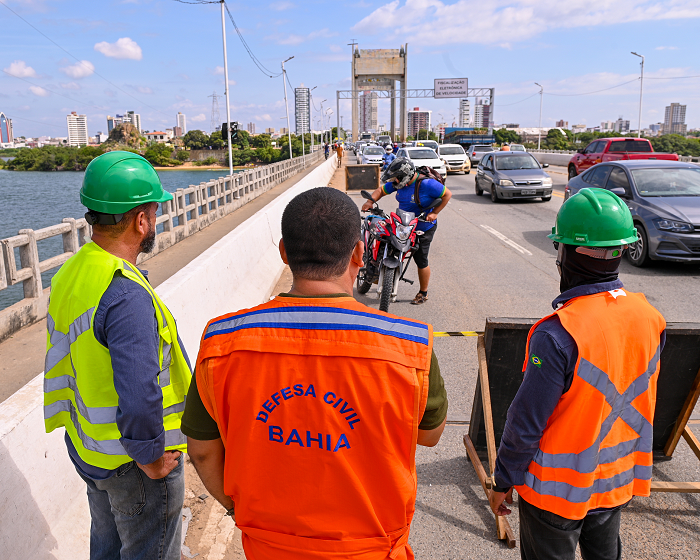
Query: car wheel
column 479, row 191
column 494, row 194
column 638, row 253
column 572, row 172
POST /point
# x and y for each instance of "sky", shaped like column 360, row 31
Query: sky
column 158, row 57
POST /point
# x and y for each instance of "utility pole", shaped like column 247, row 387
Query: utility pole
column 311, row 118
column 289, row 129
column 539, row 128
column 228, row 105
column 641, row 89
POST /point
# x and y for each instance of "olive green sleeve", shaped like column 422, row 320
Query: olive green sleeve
column 436, row 408
column 197, row 423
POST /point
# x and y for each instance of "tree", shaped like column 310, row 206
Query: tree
column 503, row 135
column 261, row 141
column 159, row 154
column 216, row 140
column 555, row 140
column 182, row 155
column 196, row 140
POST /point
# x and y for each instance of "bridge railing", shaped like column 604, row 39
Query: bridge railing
column 192, row 209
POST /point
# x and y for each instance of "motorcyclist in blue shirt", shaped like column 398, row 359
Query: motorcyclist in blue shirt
column 388, row 157
column 400, row 177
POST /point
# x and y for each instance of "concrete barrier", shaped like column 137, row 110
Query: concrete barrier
column 43, row 509
column 553, row 159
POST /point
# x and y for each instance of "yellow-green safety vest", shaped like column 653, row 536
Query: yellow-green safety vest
column 79, row 391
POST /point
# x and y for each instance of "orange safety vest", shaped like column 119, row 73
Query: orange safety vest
column 318, row 403
column 596, row 450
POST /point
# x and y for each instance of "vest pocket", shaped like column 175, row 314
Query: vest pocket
column 126, row 491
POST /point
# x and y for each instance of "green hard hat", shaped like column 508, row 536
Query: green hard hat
column 594, row 218
column 116, row 182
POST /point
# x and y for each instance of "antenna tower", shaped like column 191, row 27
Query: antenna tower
column 215, row 116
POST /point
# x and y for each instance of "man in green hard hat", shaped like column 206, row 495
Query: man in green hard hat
column 116, row 372
column 577, row 444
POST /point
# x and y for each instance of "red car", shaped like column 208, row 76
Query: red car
column 614, row 149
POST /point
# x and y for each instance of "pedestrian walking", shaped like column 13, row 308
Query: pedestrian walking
column 116, row 372
column 577, row 444
column 339, row 152
column 326, row 150
column 305, row 412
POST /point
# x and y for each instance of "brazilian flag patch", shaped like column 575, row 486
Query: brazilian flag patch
column 535, row 360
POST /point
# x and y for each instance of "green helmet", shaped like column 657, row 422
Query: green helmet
column 116, row 182
column 594, row 218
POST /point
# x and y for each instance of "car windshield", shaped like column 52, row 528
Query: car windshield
column 672, row 181
column 373, row 151
column 511, row 163
column 425, row 153
column 514, row 148
column 483, row 149
column 452, row 151
column 630, row 146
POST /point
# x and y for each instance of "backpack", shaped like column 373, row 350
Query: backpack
column 425, row 172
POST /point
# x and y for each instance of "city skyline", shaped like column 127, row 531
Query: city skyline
column 124, row 43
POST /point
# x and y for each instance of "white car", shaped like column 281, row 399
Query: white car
column 372, row 155
column 426, row 144
column 424, row 156
column 517, row 148
column 455, row 157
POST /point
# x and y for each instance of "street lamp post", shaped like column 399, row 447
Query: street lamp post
column 641, row 86
column 228, row 105
column 311, row 120
column 289, row 129
column 539, row 128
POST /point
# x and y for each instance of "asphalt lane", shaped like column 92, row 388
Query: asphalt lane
column 494, row 260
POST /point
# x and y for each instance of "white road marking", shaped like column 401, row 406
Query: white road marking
column 507, row 241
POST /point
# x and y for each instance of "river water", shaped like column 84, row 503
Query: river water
column 38, row 199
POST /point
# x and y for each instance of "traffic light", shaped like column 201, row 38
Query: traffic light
column 224, row 131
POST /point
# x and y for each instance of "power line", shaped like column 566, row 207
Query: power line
column 674, row 78
column 37, row 122
column 509, row 104
column 81, row 62
column 591, row 92
column 252, row 56
column 54, row 92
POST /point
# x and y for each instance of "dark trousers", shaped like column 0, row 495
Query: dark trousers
column 547, row 536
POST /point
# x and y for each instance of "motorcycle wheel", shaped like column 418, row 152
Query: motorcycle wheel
column 387, row 287
column 363, row 285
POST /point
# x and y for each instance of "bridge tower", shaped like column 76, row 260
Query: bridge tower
column 215, row 115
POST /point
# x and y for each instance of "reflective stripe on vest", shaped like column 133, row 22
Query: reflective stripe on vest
column 79, row 391
column 596, row 450
column 318, row 407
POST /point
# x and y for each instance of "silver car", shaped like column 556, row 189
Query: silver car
column 476, row 151
column 509, row 175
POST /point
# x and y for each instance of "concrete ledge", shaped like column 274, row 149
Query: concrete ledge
column 43, row 508
column 553, row 159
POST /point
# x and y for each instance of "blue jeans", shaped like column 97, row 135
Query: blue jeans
column 135, row 517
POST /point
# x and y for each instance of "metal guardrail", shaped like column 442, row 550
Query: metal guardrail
column 192, row 209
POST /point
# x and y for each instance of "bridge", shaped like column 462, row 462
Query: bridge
column 488, row 260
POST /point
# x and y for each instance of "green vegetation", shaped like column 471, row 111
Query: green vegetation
column 160, row 155
column 211, row 160
column 424, row 134
column 503, row 135
column 53, row 158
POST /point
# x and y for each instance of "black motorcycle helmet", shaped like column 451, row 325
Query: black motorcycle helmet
column 402, row 169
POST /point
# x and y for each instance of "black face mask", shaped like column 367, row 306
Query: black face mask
column 579, row 270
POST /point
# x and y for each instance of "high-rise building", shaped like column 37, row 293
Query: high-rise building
column 464, row 113
column 418, row 120
column 182, row 123
column 250, row 128
column 177, row 132
column 562, row 124
column 607, row 126
column 656, row 128
column 77, row 129
column 674, row 119
column 133, row 118
column 622, row 126
column 269, row 131
column 368, row 111
column 284, row 130
column 6, row 135
column 302, row 111
column 482, row 114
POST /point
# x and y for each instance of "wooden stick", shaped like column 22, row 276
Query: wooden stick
column 486, row 402
column 683, row 417
column 504, row 527
column 692, row 441
column 686, row 487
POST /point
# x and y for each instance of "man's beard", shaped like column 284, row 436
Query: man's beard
column 149, row 242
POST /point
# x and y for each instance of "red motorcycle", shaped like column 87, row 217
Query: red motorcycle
column 390, row 241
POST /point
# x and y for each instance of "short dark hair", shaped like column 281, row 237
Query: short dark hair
column 117, row 229
column 320, row 228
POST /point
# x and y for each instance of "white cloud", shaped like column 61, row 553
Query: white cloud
column 294, row 39
column 142, row 89
column 436, row 23
column 281, row 6
column 266, row 117
column 124, row 48
column 81, row 69
column 335, row 48
column 666, row 48
column 20, row 69
column 219, row 70
column 40, row 91
column 70, row 85
column 198, row 118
